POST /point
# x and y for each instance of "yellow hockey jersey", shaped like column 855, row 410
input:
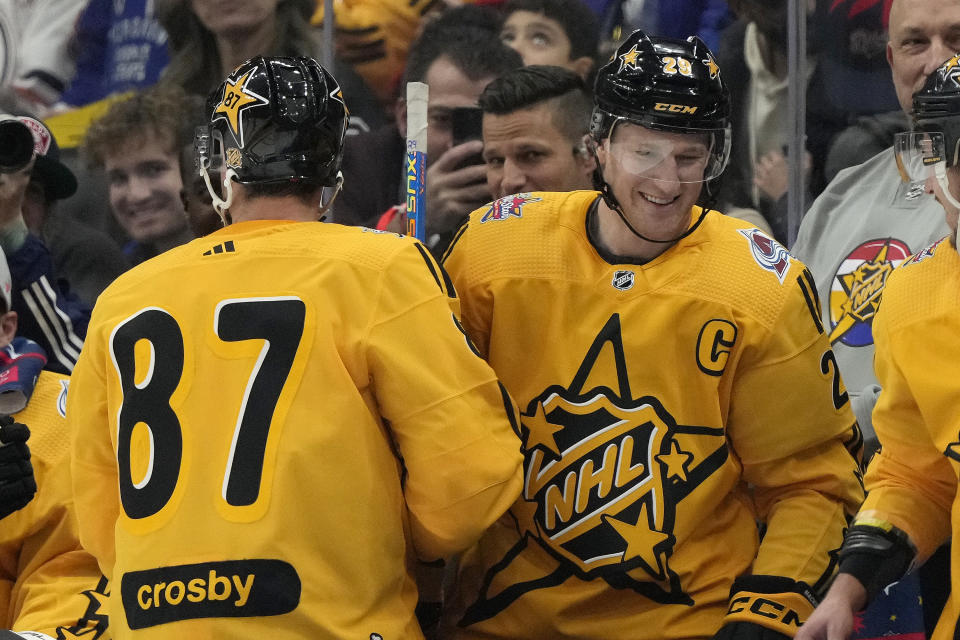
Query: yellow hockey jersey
column 48, row 583
column 270, row 423
column 912, row 481
column 665, row 408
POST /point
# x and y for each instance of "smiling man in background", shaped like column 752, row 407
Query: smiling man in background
column 534, row 120
column 137, row 143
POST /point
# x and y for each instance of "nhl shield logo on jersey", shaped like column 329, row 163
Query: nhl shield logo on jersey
column 856, row 288
column 594, row 473
column 604, row 472
column 507, row 207
column 623, row 280
column 768, row 253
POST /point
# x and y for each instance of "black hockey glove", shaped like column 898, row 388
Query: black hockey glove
column 17, row 484
column 766, row 608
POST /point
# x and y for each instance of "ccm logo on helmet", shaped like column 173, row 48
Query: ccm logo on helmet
column 674, row 108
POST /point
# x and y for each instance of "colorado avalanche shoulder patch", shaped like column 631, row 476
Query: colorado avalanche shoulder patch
column 508, row 207
column 768, row 253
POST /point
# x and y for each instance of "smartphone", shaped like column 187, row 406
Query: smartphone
column 466, row 124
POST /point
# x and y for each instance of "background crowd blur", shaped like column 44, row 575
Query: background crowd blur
column 67, row 61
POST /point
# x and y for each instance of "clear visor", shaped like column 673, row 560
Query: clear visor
column 918, row 154
column 693, row 155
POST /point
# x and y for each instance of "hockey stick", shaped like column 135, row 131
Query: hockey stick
column 415, row 160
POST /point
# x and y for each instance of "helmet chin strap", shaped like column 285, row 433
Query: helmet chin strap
column 219, row 204
column 940, row 171
column 326, row 207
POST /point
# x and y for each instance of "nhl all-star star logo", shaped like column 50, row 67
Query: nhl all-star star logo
column 768, row 253
column 508, row 207
column 604, row 471
column 857, row 286
column 237, row 97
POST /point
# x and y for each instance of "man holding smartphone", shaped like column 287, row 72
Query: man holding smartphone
column 457, row 55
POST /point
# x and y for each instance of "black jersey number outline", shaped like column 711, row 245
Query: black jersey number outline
column 279, row 322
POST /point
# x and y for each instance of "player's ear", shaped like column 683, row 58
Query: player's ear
column 595, row 150
column 585, row 160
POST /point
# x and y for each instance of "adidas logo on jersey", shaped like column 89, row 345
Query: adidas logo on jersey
column 223, row 247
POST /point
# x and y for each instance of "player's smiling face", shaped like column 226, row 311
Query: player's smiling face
column 655, row 175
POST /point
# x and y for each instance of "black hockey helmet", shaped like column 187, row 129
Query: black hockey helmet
column 665, row 84
column 936, row 108
column 934, row 143
column 276, row 119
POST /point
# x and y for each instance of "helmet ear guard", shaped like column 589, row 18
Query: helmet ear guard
column 208, row 144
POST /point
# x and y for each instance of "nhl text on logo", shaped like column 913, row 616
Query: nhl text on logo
column 623, row 280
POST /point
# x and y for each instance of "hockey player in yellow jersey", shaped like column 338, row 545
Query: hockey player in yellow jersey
column 273, row 422
column 48, row 583
column 911, row 508
column 675, row 386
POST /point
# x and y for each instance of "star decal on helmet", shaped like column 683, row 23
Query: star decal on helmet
column 711, row 66
column 236, row 98
column 629, row 59
column 952, row 68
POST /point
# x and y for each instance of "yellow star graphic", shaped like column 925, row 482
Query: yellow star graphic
column 676, row 461
column 642, row 540
column 951, row 63
column 711, row 66
column 629, row 58
column 541, row 431
column 235, row 98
